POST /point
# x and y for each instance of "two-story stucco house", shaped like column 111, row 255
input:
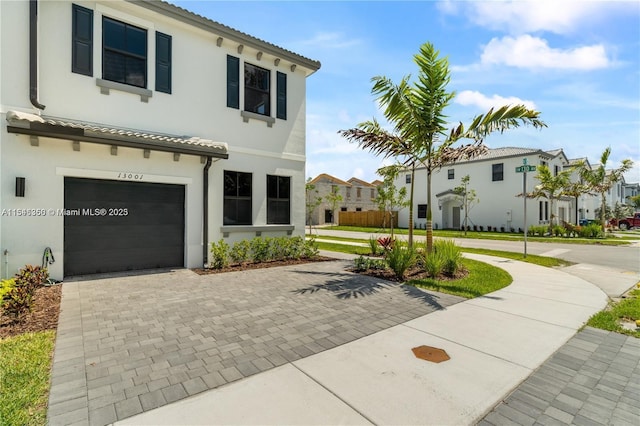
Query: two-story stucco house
column 497, row 184
column 357, row 195
column 135, row 133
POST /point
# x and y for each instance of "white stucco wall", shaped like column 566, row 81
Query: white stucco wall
column 498, row 204
column 196, row 107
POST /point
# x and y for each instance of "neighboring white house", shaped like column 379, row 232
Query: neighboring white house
column 630, row 190
column 357, row 195
column 497, row 185
column 135, row 133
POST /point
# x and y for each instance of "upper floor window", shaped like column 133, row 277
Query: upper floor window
column 348, row 192
column 451, row 174
column 124, row 53
column 278, row 199
column 237, row 198
column 407, row 178
column 82, row 40
column 257, row 90
column 497, row 172
column 373, row 193
column 358, row 192
column 556, row 170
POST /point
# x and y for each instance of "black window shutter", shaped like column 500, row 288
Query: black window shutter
column 82, row 40
column 163, row 62
column 233, row 82
column 281, row 105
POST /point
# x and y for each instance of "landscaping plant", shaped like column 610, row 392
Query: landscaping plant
column 451, row 256
column 17, row 294
column 240, row 251
column 219, row 254
column 400, row 258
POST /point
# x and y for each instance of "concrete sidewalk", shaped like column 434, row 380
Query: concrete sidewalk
column 495, row 342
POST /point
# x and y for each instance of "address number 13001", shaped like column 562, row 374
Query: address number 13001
column 130, row 176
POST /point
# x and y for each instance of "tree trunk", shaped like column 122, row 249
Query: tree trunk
column 603, row 209
column 429, row 214
column 413, row 173
column 551, row 216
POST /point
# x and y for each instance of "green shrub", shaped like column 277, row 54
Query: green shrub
column 5, row 287
column 18, row 301
column 261, row 249
column 559, row 231
column 32, row 277
column 310, row 249
column 17, row 293
column 362, row 263
column 450, row 255
column 240, row 251
column 400, row 257
column 219, row 254
column 433, row 263
column 593, row 230
column 373, row 245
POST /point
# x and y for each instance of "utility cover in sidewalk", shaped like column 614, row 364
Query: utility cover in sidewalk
column 430, row 354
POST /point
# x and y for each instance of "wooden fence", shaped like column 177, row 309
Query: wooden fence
column 372, row 219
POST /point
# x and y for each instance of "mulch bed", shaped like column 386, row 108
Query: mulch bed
column 411, row 274
column 43, row 315
column 249, row 265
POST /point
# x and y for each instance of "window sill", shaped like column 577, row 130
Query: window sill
column 246, row 115
column 226, row 230
column 106, row 85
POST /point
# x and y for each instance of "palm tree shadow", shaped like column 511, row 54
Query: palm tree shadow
column 347, row 285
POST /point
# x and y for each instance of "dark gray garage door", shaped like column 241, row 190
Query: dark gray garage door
column 122, row 226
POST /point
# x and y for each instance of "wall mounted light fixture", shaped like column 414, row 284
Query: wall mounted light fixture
column 20, row 185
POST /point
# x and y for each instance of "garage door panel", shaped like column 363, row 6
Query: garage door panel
column 149, row 234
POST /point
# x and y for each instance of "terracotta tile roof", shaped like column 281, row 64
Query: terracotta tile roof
column 330, row 178
column 355, row 180
column 224, row 31
column 33, row 121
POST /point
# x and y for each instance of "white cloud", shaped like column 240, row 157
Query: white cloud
column 470, row 97
column 532, row 52
column 518, row 17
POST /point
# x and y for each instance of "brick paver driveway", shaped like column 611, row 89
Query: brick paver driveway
column 128, row 344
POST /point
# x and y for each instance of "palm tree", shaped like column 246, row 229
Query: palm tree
column 420, row 135
column 552, row 187
column 600, row 180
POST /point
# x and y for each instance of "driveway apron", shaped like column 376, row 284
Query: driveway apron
column 129, row 344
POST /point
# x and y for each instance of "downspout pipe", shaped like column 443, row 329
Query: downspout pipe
column 205, row 212
column 33, row 54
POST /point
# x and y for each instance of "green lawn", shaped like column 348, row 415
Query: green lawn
column 502, row 236
column 25, row 364
column 628, row 309
column 531, row 258
column 482, row 279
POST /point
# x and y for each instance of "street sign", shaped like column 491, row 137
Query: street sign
column 522, row 169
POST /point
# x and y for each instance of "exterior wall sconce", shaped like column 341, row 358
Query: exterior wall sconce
column 20, row 185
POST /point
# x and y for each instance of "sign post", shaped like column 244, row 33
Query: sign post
column 524, row 169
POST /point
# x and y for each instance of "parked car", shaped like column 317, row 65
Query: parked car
column 627, row 222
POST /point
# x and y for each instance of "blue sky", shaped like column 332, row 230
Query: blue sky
column 578, row 62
